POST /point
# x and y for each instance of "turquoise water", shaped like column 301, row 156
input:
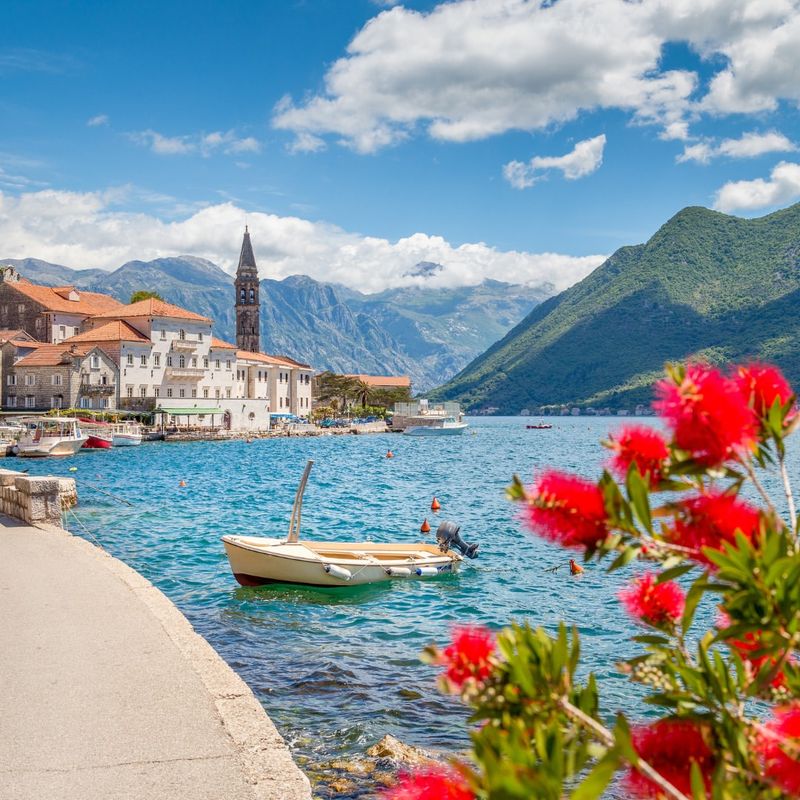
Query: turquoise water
column 338, row 669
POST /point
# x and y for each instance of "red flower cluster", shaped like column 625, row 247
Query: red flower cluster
column 568, row 510
column 468, row 656
column 708, row 415
column 761, row 385
column 655, row 603
column 747, row 646
column 670, row 747
column 435, row 783
column 642, row 446
column 780, row 749
column 710, row 519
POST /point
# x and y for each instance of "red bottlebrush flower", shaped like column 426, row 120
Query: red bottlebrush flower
column 780, row 749
column 761, row 385
column 670, row 747
column 745, row 648
column 708, row 520
column 655, row 603
column 434, row 783
column 642, row 446
column 568, row 510
column 708, row 415
column 468, row 656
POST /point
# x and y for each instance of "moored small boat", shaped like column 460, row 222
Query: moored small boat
column 126, row 434
column 447, row 426
column 258, row 560
column 98, row 434
column 51, row 436
column 541, row 427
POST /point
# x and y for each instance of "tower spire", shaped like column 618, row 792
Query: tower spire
column 247, row 300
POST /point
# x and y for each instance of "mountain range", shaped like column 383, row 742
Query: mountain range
column 429, row 334
column 705, row 286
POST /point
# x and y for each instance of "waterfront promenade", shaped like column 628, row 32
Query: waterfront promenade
column 107, row 692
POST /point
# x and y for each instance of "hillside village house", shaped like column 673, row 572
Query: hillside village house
column 145, row 356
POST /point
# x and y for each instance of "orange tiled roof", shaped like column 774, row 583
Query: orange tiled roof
column 115, row 331
column 383, row 380
column 291, row 362
column 26, row 343
column 221, row 345
column 18, row 333
column 50, row 355
column 151, row 308
column 265, row 358
column 90, row 303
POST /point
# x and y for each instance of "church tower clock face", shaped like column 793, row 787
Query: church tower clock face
column 247, row 302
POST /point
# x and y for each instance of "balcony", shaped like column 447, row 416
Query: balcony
column 99, row 389
column 184, row 345
column 185, row 373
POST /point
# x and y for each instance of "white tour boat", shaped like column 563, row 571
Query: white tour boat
column 443, row 426
column 126, row 434
column 51, row 436
column 257, row 560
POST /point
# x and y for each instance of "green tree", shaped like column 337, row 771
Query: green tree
column 143, row 294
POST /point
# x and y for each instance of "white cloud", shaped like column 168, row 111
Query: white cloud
column 202, row 144
column 87, row 230
column 98, row 121
column 749, row 145
column 306, row 142
column 582, row 160
column 470, row 69
column 782, row 186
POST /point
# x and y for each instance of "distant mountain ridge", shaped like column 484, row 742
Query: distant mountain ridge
column 706, row 285
column 428, row 334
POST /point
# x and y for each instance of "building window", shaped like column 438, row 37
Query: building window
column 156, row 391
column 228, row 393
column 30, row 401
column 252, row 295
column 4, row 310
column 38, row 322
column 55, row 401
column 104, row 380
column 85, row 402
column 12, row 401
column 143, row 360
column 163, row 334
column 75, row 331
column 11, row 380
column 129, row 391
column 227, row 365
column 194, row 392
column 95, row 362
column 130, row 359
column 205, row 393
column 216, row 363
column 182, row 335
column 30, row 380
column 169, row 392
column 200, row 337
column 21, row 310
column 242, row 295
column 216, row 393
column 156, row 359
column 55, row 380
column 182, row 392
column 181, row 361
column 104, row 403
column 143, row 391
column 194, row 362
column 169, row 361
column 205, row 362
column 62, row 331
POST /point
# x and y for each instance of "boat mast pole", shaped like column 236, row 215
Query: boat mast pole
column 297, row 508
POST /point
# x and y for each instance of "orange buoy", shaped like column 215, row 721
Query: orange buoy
column 575, row 569
column 182, row 484
column 389, row 454
column 435, row 505
column 425, row 527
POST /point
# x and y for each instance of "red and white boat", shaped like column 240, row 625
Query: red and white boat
column 99, row 433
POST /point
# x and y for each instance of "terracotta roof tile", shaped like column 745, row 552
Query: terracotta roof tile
column 115, row 331
column 90, row 303
column 18, row 333
column 221, row 345
column 265, row 358
column 383, row 380
column 51, row 355
column 151, row 308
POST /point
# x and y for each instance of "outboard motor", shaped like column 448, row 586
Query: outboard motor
column 447, row 537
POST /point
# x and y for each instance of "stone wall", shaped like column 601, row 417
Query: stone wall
column 36, row 500
column 17, row 311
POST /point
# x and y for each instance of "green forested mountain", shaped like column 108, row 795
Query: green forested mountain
column 706, row 285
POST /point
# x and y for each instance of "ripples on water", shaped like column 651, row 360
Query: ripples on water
column 338, row 669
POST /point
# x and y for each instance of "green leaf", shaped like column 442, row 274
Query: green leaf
column 622, row 737
column 674, row 572
column 596, row 781
column 638, row 492
column 693, row 597
column 697, row 783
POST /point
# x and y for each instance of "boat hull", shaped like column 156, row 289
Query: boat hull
column 45, row 448
column 127, row 439
column 434, row 430
column 257, row 561
column 97, row 443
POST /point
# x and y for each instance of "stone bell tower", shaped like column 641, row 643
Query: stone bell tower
column 247, row 303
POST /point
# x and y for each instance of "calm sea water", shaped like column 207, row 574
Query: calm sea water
column 336, row 670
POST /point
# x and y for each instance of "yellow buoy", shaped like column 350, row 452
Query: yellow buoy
column 73, row 469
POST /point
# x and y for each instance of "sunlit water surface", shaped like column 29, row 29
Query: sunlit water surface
column 338, row 669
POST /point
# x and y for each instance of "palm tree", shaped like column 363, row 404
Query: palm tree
column 363, row 392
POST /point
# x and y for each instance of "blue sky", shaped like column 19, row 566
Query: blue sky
column 502, row 138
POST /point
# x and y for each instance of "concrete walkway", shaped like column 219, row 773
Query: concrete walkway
column 107, row 692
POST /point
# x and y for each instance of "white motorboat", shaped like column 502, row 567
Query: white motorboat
column 257, row 560
column 126, row 434
column 445, row 426
column 51, row 436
